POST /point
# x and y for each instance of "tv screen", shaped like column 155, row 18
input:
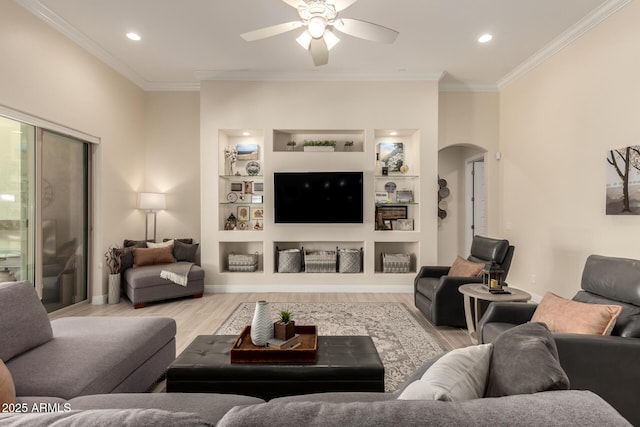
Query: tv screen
column 318, row 197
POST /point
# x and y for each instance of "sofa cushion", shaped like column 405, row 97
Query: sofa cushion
column 149, row 276
column 564, row 315
column 7, row 388
column 25, row 323
column 525, row 360
column 463, row 268
column 152, row 256
column 210, row 406
column 460, row 374
column 135, row 243
column 103, row 351
column 105, row 418
column 185, row 251
column 556, row 408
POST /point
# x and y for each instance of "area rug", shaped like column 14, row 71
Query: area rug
column 402, row 343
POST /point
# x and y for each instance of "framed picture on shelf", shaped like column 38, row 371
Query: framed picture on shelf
column 236, row 186
column 381, row 197
column 258, row 186
column 257, row 213
column 404, row 196
column 403, row 224
column 243, row 213
column 391, row 155
column 391, row 212
column 248, row 187
column 387, row 224
column 255, row 198
column 247, row 151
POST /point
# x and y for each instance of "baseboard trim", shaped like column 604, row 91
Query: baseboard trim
column 335, row 288
column 99, row 299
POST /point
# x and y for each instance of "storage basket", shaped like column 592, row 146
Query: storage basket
column 320, row 261
column 349, row 260
column 243, row 262
column 395, row 263
column 289, row 261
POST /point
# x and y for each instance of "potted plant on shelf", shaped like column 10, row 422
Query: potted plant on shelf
column 291, row 145
column 327, row 145
column 348, row 146
column 284, row 328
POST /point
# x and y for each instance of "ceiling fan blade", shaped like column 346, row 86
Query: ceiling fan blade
column 341, row 4
column 273, row 30
column 366, row 30
column 319, row 52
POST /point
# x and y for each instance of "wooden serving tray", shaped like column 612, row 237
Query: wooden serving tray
column 243, row 350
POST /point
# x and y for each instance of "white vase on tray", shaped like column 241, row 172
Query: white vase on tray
column 262, row 324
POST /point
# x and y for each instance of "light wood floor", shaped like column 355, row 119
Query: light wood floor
column 202, row 316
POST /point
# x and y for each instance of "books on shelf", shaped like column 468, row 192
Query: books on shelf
column 289, row 344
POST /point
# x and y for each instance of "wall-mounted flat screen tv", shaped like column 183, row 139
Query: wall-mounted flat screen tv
column 318, row 197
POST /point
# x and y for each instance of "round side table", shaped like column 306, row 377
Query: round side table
column 478, row 293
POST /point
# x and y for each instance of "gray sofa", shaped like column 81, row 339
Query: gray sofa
column 76, row 356
column 552, row 407
column 606, row 365
column 143, row 284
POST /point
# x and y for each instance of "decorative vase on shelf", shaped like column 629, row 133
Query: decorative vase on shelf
column 262, row 324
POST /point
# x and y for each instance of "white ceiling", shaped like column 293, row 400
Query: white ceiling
column 184, row 41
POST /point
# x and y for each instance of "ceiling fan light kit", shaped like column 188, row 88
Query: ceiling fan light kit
column 320, row 17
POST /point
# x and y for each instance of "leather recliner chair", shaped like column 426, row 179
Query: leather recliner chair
column 436, row 294
column 605, row 365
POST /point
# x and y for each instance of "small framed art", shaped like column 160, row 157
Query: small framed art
column 403, row 224
column 257, row 213
column 243, row 213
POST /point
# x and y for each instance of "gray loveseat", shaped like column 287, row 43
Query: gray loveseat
column 74, row 356
column 142, row 281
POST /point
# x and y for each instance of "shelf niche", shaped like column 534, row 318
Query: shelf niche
column 281, row 138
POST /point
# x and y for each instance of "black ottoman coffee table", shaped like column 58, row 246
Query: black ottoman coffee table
column 344, row 363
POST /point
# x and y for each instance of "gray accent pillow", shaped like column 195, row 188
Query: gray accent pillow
column 25, row 323
column 183, row 240
column 184, row 251
column 135, row 243
column 525, row 360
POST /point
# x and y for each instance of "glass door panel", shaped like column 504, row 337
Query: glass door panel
column 64, row 212
column 17, row 195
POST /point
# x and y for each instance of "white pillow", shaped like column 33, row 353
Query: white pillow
column 160, row 245
column 459, row 375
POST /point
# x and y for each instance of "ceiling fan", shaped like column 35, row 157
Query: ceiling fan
column 320, row 18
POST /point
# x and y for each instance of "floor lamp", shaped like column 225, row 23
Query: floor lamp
column 151, row 202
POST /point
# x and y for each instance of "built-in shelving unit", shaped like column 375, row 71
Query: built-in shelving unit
column 391, row 224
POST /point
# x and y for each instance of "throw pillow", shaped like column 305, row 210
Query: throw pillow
column 135, row 243
column 25, row 323
column 183, row 240
column 7, row 387
column 465, row 268
column 564, row 315
column 459, row 375
column 165, row 244
column 184, row 251
column 152, row 256
column 525, row 360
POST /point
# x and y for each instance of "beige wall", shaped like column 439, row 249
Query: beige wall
column 556, row 125
column 467, row 126
column 172, row 160
column 46, row 75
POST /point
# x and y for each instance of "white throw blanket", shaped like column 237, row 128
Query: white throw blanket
column 177, row 272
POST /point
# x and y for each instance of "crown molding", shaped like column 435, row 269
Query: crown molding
column 314, row 76
column 565, row 39
column 461, row 87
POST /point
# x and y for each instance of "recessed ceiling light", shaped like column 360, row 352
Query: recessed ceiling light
column 134, row 36
column 393, row 133
column 485, row 38
column 246, row 134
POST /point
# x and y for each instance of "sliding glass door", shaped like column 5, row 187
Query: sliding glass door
column 44, row 212
column 64, row 219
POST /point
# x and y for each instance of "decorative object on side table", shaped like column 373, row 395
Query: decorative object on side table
column 113, row 258
column 284, row 328
column 493, row 280
column 261, row 325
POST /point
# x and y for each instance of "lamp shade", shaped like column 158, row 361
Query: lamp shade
column 152, row 201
